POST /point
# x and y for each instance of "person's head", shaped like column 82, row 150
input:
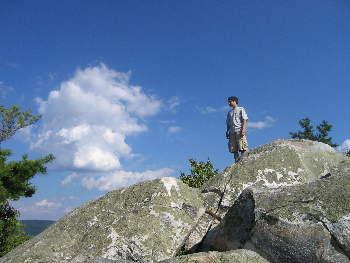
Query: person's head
column 233, row 101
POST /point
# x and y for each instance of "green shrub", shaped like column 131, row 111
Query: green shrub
column 201, row 172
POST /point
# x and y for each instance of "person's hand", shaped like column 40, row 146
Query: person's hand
column 244, row 132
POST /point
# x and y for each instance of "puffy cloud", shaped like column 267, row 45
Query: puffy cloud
column 46, row 203
column 267, row 122
column 261, row 124
column 174, row 129
column 69, row 178
column 43, row 209
column 123, row 178
column 86, row 121
column 85, row 125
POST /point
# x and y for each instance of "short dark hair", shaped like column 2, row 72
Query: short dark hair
column 233, row 98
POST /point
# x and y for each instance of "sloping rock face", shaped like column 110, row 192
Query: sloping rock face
column 272, row 202
column 304, row 223
column 279, row 163
column 237, row 256
column 146, row 222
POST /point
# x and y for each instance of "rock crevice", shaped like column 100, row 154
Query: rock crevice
column 285, row 202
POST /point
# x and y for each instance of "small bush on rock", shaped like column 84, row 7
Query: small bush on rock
column 201, row 172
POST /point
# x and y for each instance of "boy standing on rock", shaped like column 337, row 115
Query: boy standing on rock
column 236, row 131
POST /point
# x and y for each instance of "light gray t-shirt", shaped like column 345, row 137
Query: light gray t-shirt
column 235, row 119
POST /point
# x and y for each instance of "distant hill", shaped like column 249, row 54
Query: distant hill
column 34, row 227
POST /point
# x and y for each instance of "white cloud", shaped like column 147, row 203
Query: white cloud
column 209, row 109
column 43, row 209
column 174, row 129
column 86, row 121
column 47, row 204
column 173, row 103
column 69, row 178
column 85, row 125
column 123, row 178
column 345, row 146
column 268, row 122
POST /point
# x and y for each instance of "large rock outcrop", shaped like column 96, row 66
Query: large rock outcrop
column 296, row 224
column 237, row 256
column 287, row 201
column 146, row 222
column 279, row 163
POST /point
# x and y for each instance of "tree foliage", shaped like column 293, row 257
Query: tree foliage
column 13, row 119
column 308, row 132
column 11, row 231
column 201, row 172
column 348, row 153
column 15, row 177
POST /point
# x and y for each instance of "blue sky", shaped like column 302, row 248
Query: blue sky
column 130, row 90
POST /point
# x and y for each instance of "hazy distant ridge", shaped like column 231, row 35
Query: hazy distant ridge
column 34, row 227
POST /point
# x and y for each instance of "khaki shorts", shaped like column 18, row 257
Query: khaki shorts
column 237, row 142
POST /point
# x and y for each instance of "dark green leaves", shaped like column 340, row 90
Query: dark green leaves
column 11, row 231
column 309, row 133
column 15, row 177
column 201, row 172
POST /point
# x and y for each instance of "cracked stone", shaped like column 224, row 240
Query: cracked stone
column 302, row 223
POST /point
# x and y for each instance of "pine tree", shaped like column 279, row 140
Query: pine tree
column 15, row 177
column 309, row 133
column 13, row 119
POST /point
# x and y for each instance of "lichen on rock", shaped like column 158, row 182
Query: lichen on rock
column 279, row 163
column 146, row 222
column 237, row 256
column 302, row 223
column 286, row 201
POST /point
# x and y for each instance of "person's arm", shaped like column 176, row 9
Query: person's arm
column 244, row 127
column 227, row 125
column 244, row 117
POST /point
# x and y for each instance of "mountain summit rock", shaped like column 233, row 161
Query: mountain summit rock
column 146, row 222
column 286, row 201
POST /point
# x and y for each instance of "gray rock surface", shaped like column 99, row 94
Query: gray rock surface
column 146, row 222
column 272, row 202
column 279, row 163
column 303, row 223
column 237, row 256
